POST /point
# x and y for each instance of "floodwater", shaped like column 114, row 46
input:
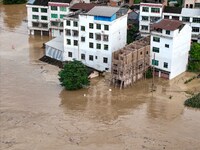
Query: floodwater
column 37, row 114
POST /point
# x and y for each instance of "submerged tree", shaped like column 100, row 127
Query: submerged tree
column 74, row 75
column 14, row 1
column 194, row 58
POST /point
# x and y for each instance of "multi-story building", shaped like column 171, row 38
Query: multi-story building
column 170, row 45
column 37, row 14
column 188, row 16
column 92, row 36
column 57, row 10
column 149, row 13
column 191, row 3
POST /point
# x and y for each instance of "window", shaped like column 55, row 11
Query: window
column 154, row 19
column 91, row 45
column 156, row 39
column 35, row 17
column 35, row 9
column 166, row 17
column 167, row 32
column 82, row 28
column 68, row 42
column 106, row 27
column 156, row 49
column 196, row 20
column 105, row 47
column 44, row 17
column 75, row 24
column 82, row 39
column 105, row 37
column 191, row 5
column 61, row 24
column 68, row 32
column 175, row 17
column 96, row 57
column 147, row 52
column 98, row 37
column 155, row 10
column 61, row 16
column 155, row 62
column 75, row 43
column 44, row 25
column 98, row 46
column 91, row 26
column 145, row 18
column 167, row 45
column 69, row 54
column 165, row 65
column 105, row 60
column 140, row 53
column 54, row 16
column 197, row 5
column 63, row 9
column 83, row 56
column 91, row 57
column 54, row 8
column 144, row 27
column 145, row 9
column 195, row 29
column 43, row 10
column 91, row 35
column 35, row 24
column 75, row 32
column 186, row 19
column 53, row 23
column 68, row 22
column 98, row 26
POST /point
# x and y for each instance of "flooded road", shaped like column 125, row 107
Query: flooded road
column 37, row 114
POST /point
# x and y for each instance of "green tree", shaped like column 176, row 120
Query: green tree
column 131, row 34
column 74, row 75
column 194, row 58
column 14, row 1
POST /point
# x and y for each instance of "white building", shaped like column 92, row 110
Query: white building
column 188, row 16
column 92, row 37
column 37, row 16
column 149, row 13
column 170, row 45
column 57, row 10
column 191, row 3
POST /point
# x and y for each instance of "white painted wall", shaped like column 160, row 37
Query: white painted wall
column 177, row 54
column 117, row 39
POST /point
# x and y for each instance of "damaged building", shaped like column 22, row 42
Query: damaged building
column 130, row 63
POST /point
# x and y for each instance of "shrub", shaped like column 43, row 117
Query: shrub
column 74, row 75
column 14, row 1
column 193, row 102
column 149, row 73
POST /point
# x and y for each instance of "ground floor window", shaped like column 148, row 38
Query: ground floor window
column 69, row 54
column 83, row 56
column 91, row 57
column 165, row 65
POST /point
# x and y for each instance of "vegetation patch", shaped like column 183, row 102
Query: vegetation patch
column 194, row 58
column 14, row 1
column 74, row 75
column 193, row 101
column 189, row 80
column 149, row 73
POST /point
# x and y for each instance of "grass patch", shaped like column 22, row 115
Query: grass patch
column 137, row 1
column 193, row 101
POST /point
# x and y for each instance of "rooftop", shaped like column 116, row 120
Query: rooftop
column 61, row 1
column 38, row 2
column 168, row 24
column 190, row 12
column 105, row 11
column 83, row 6
column 175, row 10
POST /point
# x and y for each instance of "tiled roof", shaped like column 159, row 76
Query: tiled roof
column 168, row 24
column 41, row 2
column 175, row 10
column 83, row 6
column 105, row 11
column 61, row 1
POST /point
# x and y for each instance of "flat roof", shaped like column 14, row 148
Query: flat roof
column 83, row 6
column 56, row 43
column 105, row 11
column 167, row 24
column 190, row 12
column 175, row 10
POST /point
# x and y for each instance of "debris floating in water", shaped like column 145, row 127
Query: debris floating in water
column 84, row 95
column 110, row 89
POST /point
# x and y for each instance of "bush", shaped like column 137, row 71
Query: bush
column 149, row 73
column 74, row 75
column 14, row 1
column 194, row 58
column 193, row 102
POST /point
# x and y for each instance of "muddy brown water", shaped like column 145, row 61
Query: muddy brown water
column 37, row 114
